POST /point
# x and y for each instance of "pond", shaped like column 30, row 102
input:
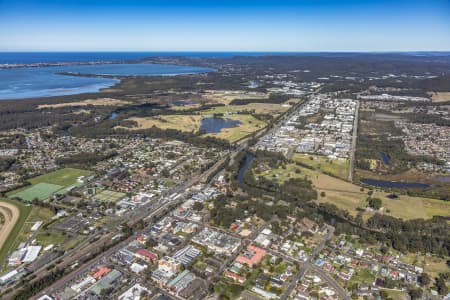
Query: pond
column 385, row 158
column 215, row 124
column 244, row 166
column 181, row 102
column 113, row 116
column 393, row 184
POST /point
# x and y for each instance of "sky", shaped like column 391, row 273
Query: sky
column 217, row 25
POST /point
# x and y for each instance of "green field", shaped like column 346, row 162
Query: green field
column 48, row 237
column 65, row 177
column 350, row 197
column 40, row 191
column 109, row 196
column 24, row 211
column 336, row 167
column 45, row 185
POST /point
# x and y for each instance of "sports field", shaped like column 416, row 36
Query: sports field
column 109, row 196
column 45, row 185
column 39, row 191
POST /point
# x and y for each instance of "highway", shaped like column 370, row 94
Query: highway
column 351, row 168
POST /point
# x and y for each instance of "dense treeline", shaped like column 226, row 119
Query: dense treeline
column 224, row 214
column 85, row 158
column 106, row 128
column 425, row 236
column 296, row 191
column 273, row 98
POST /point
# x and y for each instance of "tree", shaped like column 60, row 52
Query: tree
column 198, row 206
column 425, row 279
column 415, row 294
column 375, row 203
column 441, row 286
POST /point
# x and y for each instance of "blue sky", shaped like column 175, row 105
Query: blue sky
column 147, row 25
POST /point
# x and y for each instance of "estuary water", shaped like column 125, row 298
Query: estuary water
column 32, row 82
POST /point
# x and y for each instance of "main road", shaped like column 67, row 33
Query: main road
column 353, row 147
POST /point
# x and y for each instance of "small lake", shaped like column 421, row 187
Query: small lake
column 215, row 124
column 445, row 179
column 20, row 83
column 113, row 116
column 393, row 184
column 243, row 168
column 385, row 158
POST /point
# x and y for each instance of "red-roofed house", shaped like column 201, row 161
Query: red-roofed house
column 252, row 256
column 234, row 276
column 100, row 272
column 146, row 255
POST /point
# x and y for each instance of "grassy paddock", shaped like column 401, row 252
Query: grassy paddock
column 336, row 167
column 348, row 196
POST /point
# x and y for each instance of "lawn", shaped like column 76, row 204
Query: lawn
column 186, row 123
column 65, row 177
column 48, row 237
column 432, row 265
column 24, row 211
column 362, row 276
column 336, row 167
column 109, row 196
column 45, row 185
column 40, row 191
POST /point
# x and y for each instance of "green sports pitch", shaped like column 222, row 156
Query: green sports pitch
column 109, row 196
column 42, row 187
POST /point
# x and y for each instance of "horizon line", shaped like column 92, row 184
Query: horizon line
column 226, row 51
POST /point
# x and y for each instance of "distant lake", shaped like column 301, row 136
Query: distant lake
column 393, row 184
column 19, row 83
column 215, row 125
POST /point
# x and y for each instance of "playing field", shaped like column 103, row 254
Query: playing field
column 64, row 177
column 39, row 191
column 109, row 196
column 46, row 185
